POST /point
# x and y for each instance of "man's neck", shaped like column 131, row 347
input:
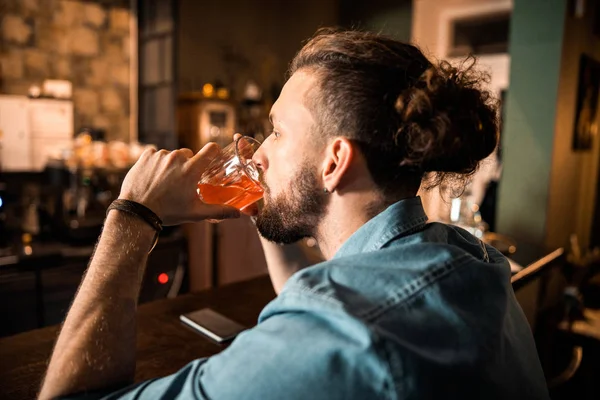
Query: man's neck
column 344, row 217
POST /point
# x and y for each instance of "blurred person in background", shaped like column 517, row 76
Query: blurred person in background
column 400, row 309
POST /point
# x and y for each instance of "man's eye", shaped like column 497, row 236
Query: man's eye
column 276, row 134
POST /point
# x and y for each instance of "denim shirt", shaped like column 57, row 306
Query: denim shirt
column 404, row 310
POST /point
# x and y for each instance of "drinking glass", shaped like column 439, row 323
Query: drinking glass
column 232, row 178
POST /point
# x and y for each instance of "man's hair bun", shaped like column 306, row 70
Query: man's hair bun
column 449, row 122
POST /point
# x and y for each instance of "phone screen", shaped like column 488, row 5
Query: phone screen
column 212, row 324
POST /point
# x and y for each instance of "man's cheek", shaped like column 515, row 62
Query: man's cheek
column 270, row 184
column 265, row 186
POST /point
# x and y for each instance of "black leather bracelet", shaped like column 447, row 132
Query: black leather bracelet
column 140, row 211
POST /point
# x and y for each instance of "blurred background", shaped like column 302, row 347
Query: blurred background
column 85, row 86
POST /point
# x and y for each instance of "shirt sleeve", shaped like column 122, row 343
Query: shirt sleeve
column 291, row 356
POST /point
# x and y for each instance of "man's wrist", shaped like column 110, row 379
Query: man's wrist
column 141, row 232
column 152, row 206
column 138, row 210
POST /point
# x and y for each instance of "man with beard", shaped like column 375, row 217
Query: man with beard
column 400, row 309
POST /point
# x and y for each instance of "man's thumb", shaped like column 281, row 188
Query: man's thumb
column 214, row 211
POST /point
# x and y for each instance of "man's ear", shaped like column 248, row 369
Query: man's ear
column 338, row 158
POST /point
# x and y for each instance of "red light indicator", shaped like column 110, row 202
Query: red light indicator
column 163, row 278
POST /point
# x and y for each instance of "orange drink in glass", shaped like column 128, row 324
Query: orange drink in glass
column 232, row 178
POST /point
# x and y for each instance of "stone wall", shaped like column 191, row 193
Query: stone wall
column 85, row 42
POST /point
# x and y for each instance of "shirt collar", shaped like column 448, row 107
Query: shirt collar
column 398, row 219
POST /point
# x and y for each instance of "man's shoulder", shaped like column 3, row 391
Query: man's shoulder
column 364, row 283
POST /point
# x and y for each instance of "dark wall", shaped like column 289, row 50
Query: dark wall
column 391, row 17
column 237, row 40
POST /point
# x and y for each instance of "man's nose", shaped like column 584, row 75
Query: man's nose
column 259, row 158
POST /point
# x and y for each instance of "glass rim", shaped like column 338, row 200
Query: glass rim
column 244, row 164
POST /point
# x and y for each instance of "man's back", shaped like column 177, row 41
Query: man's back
column 404, row 310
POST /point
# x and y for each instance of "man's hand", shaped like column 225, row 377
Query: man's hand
column 96, row 346
column 166, row 182
column 252, row 210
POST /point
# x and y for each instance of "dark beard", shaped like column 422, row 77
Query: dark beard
column 295, row 215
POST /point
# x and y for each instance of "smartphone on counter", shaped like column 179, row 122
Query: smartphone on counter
column 212, row 324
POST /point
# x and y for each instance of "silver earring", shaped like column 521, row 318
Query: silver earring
column 325, row 190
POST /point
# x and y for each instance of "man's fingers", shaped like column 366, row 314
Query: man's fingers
column 251, row 210
column 229, row 212
column 202, row 158
column 215, row 212
column 237, row 136
column 147, row 153
column 185, row 152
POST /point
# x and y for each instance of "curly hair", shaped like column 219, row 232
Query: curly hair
column 411, row 119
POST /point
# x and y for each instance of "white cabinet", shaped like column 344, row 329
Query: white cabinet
column 43, row 148
column 51, row 128
column 51, row 118
column 15, row 135
column 33, row 130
